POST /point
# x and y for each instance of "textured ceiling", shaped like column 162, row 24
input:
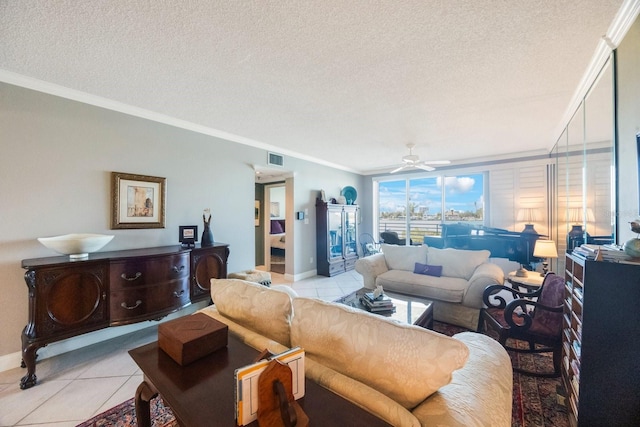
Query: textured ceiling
column 348, row 83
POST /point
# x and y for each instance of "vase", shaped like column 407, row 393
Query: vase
column 207, row 234
column 575, row 237
column 632, row 248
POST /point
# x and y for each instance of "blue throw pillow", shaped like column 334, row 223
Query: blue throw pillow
column 429, row 270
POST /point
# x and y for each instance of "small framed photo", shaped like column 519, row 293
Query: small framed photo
column 188, row 234
column 137, row 201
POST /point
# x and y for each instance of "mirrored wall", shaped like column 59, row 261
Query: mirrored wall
column 584, row 205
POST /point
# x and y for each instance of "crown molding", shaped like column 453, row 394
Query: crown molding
column 624, row 19
column 27, row 82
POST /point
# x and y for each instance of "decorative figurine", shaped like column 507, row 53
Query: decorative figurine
column 378, row 292
column 207, row 234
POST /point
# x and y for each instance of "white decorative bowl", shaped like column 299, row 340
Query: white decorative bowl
column 77, row 246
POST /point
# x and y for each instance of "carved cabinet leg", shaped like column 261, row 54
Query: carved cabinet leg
column 29, row 361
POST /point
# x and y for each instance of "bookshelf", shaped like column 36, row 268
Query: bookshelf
column 601, row 342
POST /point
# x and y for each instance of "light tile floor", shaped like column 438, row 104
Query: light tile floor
column 77, row 385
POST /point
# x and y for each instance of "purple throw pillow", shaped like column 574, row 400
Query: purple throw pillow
column 276, row 227
column 429, row 270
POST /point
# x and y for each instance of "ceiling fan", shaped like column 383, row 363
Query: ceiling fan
column 412, row 161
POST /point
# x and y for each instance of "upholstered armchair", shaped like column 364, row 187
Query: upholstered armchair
column 534, row 317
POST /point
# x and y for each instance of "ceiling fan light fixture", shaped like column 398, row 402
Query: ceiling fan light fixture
column 412, row 161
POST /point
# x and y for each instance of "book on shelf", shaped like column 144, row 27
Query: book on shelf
column 576, row 347
column 610, row 252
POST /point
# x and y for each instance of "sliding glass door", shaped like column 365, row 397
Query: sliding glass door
column 417, row 207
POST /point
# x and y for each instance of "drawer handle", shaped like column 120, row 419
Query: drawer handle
column 124, row 305
column 178, row 294
column 131, row 278
column 178, row 269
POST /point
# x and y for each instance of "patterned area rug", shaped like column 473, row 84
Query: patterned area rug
column 124, row 415
column 537, row 402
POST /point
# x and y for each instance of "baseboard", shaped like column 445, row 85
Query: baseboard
column 301, row 276
column 13, row 360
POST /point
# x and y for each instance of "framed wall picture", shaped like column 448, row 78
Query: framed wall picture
column 275, row 210
column 137, row 201
column 257, row 213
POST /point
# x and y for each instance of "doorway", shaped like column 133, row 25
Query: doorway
column 274, row 227
column 277, row 208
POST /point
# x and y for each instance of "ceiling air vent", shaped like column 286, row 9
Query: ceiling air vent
column 275, row 159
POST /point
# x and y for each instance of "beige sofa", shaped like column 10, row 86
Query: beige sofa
column 456, row 292
column 404, row 374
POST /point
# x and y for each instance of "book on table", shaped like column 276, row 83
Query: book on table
column 381, row 300
column 382, row 304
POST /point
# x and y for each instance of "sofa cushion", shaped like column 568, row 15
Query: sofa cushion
column 403, row 257
column 450, row 289
column 457, row 262
column 405, row 362
column 254, row 306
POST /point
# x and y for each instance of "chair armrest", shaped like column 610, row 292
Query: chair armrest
column 484, row 275
column 371, row 267
column 524, row 309
column 492, row 299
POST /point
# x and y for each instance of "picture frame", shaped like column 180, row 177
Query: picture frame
column 257, row 213
column 188, row 234
column 275, row 210
column 137, row 201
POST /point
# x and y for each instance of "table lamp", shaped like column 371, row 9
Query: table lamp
column 545, row 249
column 529, row 216
column 576, row 217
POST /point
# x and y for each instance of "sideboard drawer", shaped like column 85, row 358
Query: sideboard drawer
column 129, row 305
column 142, row 272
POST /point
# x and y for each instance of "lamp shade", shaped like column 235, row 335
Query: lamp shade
column 545, row 249
column 528, row 215
column 577, row 215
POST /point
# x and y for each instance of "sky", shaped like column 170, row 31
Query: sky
column 463, row 193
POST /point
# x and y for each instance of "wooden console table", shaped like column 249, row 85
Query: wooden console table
column 70, row 298
column 201, row 394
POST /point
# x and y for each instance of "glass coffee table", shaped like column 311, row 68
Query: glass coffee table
column 408, row 309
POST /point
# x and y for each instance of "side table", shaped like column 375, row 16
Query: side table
column 531, row 282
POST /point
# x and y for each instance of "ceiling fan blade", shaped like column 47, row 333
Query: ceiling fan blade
column 425, row 168
column 399, row 169
column 437, row 162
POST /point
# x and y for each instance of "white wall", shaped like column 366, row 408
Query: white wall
column 56, row 157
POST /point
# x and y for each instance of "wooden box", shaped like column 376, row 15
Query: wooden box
column 189, row 338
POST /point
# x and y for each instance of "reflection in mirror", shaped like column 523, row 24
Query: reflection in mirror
column 560, row 208
column 584, row 156
column 573, row 201
column 598, row 137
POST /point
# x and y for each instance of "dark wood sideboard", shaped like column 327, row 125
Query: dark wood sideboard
column 70, row 298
